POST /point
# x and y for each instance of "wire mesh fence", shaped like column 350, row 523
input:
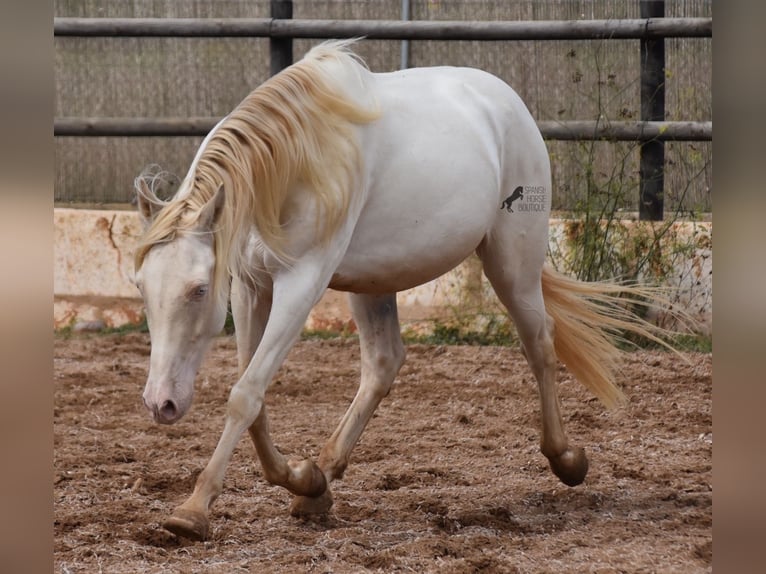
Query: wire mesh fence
column 559, row 80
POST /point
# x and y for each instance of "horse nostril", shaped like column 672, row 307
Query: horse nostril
column 168, row 410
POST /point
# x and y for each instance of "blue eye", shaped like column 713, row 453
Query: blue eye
column 197, row 293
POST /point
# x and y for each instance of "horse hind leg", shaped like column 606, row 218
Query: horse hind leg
column 382, row 355
column 517, row 284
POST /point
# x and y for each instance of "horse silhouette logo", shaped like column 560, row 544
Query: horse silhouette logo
column 518, row 193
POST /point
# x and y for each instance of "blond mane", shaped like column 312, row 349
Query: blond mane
column 297, row 127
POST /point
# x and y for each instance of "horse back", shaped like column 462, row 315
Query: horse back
column 435, row 167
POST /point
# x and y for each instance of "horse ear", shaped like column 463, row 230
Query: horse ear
column 212, row 209
column 148, row 202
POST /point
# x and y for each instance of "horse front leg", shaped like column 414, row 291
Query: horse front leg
column 301, row 477
column 251, row 308
column 382, row 355
column 293, row 298
column 190, row 519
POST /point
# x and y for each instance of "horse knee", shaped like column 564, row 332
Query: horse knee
column 243, row 405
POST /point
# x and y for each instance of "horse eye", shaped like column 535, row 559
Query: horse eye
column 197, row 293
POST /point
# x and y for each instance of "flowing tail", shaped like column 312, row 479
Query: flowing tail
column 589, row 318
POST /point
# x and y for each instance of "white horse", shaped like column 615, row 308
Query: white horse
column 328, row 175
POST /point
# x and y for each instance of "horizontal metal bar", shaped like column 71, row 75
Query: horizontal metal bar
column 133, row 127
column 626, row 131
column 386, row 29
column 163, row 27
column 553, row 130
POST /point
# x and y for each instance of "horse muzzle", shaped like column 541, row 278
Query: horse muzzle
column 167, row 413
column 166, row 409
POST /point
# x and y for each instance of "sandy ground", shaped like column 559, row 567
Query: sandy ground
column 448, row 476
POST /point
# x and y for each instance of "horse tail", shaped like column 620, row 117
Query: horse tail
column 590, row 318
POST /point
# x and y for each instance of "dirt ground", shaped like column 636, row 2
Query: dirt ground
column 448, row 476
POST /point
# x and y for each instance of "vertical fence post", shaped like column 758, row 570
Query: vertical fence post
column 281, row 49
column 405, row 55
column 652, row 153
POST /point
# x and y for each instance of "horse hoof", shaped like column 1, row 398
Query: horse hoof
column 188, row 524
column 571, row 466
column 311, row 505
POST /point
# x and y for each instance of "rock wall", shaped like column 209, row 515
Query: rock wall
column 94, row 267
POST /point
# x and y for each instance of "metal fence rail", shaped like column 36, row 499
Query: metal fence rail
column 568, row 131
column 639, row 28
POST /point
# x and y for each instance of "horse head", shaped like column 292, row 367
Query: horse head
column 184, row 305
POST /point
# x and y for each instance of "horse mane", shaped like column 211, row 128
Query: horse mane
column 297, row 127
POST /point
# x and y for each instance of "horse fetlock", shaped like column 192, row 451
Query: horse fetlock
column 570, row 466
column 277, row 478
column 207, row 489
column 187, row 523
column 306, row 478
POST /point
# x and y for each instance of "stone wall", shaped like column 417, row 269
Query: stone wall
column 94, row 266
